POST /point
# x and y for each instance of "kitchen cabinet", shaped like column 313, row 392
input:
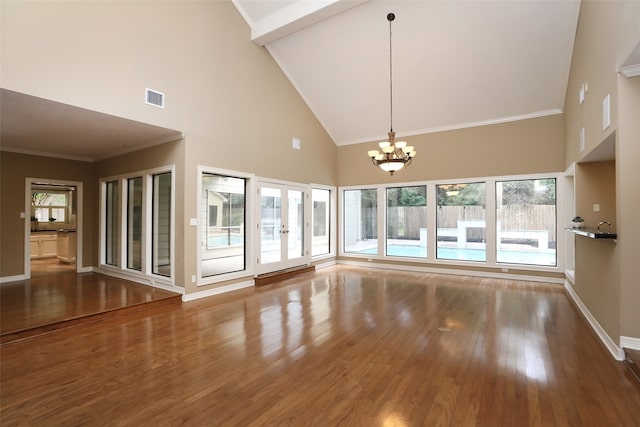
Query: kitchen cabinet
column 44, row 245
column 67, row 246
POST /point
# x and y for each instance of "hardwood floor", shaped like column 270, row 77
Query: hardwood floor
column 341, row 346
column 60, row 298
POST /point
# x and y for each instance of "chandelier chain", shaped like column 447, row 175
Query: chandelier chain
column 390, row 77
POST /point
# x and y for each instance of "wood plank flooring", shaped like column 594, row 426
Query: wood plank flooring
column 342, row 346
column 59, row 299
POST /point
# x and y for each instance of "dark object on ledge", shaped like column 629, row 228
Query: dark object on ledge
column 593, row 233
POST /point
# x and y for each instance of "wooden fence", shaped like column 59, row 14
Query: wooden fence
column 405, row 222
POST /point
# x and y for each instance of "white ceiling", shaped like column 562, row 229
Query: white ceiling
column 456, row 64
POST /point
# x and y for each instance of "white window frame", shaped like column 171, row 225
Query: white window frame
column 490, row 219
column 145, row 275
column 332, row 222
column 249, row 226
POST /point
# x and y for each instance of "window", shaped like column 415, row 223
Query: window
column 161, row 224
column 526, row 222
column 111, row 240
column 137, row 223
column 50, row 206
column 407, row 221
column 224, row 215
column 320, row 241
column 461, row 232
column 134, row 223
column 361, row 221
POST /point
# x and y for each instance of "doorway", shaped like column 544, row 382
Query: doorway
column 52, row 226
column 282, row 226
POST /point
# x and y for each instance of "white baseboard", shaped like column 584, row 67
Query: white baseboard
column 630, row 343
column 217, row 291
column 326, row 264
column 7, row 279
column 144, row 280
column 610, row 344
column 472, row 273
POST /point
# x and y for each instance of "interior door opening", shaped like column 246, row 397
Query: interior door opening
column 52, row 235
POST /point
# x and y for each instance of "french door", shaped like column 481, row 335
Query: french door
column 282, row 227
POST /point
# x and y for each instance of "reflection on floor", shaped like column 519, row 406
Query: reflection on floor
column 44, row 266
column 61, row 299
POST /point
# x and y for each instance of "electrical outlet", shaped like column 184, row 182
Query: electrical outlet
column 193, row 279
column 505, row 270
column 596, row 207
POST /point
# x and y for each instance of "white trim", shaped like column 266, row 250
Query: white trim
column 472, row 273
column 29, row 182
column 326, row 264
column 249, row 200
column 216, row 291
column 154, row 282
column 500, row 120
column 630, row 70
column 7, row 279
column 630, row 343
column 615, row 351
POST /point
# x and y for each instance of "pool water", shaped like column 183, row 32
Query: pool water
column 470, row 254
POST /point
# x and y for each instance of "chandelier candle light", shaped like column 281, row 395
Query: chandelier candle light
column 395, row 154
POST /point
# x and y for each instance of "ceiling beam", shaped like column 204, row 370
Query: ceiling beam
column 296, row 16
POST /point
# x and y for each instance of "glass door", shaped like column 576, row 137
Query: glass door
column 282, row 227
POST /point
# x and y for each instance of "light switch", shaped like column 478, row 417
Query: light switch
column 22, row 215
column 193, row 221
column 596, row 207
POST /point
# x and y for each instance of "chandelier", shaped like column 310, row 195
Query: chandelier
column 395, row 154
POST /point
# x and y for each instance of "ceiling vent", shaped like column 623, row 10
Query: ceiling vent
column 153, row 97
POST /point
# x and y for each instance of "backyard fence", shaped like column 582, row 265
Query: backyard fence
column 406, row 222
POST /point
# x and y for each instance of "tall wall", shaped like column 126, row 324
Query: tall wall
column 606, row 275
column 521, row 147
column 227, row 95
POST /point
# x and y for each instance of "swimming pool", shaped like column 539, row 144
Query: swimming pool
column 224, row 240
column 471, row 254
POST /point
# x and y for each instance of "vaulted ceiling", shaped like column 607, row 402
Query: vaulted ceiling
column 455, row 63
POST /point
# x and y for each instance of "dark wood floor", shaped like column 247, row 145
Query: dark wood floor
column 341, row 346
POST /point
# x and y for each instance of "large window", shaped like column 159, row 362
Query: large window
column 461, row 233
column 320, row 241
column 134, row 223
column 407, row 221
column 526, row 222
column 137, row 223
column 111, row 240
column 224, row 215
column 361, row 221
column 161, row 224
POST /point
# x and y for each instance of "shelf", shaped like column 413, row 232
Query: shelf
column 593, row 233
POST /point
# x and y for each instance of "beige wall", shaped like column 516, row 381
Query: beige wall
column 597, row 278
column 226, row 94
column 526, row 146
column 14, row 169
column 607, row 32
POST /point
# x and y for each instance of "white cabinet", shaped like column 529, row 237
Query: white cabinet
column 67, row 246
column 44, row 245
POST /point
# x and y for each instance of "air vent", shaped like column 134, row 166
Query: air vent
column 153, row 97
